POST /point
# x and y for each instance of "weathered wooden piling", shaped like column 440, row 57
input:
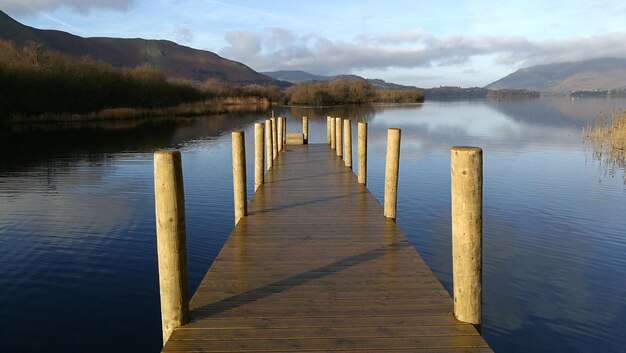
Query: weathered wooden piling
column 258, row 155
column 328, row 138
column 391, row 172
column 268, row 144
column 305, row 130
column 284, row 131
column 169, row 202
column 338, row 140
column 274, row 139
column 362, row 153
column 347, row 143
column 281, row 131
column 333, row 135
column 466, row 164
column 239, row 175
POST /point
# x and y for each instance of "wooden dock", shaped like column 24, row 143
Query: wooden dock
column 316, row 267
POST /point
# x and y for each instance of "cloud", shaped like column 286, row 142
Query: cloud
column 182, row 34
column 275, row 48
column 25, row 7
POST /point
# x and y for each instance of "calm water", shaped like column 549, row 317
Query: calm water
column 78, row 270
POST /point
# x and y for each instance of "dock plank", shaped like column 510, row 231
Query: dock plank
column 316, row 267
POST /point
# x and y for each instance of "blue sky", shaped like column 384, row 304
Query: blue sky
column 464, row 43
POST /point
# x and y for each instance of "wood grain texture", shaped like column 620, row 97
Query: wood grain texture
column 315, row 266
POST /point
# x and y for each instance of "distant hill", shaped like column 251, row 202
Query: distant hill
column 589, row 75
column 172, row 59
column 298, row 76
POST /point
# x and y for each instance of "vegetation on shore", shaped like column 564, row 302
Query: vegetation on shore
column 346, row 91
column 38, row 82
column 607, row 137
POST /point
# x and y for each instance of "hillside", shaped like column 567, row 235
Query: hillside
column 297, row 76
column 589, row 75
column 172, row 59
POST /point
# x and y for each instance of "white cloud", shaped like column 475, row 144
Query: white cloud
column 276, row 48
column 22, row 7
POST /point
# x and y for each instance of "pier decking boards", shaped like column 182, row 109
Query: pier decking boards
column 316, row 267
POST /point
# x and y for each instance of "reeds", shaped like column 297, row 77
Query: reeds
column 607, row 137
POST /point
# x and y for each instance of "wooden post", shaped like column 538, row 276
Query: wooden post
column 239, row 175
column 169, row 202
column 280, row 134
column 268, row 143
column 333, row 136
column 328, row 138
column 392, row 167
column 338, row 144
column 466, row 169
column 258, row 155
column 274, row 139
column 347, row 143
column 284, row 131
column 305, row 130
column 362, row 153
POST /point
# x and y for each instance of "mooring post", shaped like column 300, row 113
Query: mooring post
column 284, row 132
column 333, row 136
column 392, row 167
column 362, row 153
column 466, row 169
column 347, row 143
column 239, row 175
column 338, row 145
column 274, row 139
column 169, row 202
column 328, row 138
column 305, row 130
column 258, row 155
column 268, row 143
column 280, row 134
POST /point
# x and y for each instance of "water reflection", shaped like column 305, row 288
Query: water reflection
column 77, row 221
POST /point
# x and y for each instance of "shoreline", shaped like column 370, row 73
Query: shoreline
column 208, row 107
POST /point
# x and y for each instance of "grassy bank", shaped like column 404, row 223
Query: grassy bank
column 607, row 137
column 36, row 83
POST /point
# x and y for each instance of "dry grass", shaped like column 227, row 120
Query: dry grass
column 207, row 107
column 607, row 137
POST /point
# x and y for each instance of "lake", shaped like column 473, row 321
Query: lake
column 78, row 270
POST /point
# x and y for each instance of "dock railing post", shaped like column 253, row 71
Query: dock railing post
column 268, row 144
column 281, row 123
column 328, row 138
column 169, row 202
column 259, row 166
column 338, row 145
column 333, row 136
column 391, row 173
column 466, row 164
column 305, row 130
column 347, row 143
column 239, row 175
column 274, row 139
column 362, row 153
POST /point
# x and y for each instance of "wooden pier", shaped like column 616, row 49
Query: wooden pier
column 314, row 266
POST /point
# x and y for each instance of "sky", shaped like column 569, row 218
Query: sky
column 425, row 44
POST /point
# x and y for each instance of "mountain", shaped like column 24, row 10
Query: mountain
column 172, row 59
column 296, row 76
column 588, row 75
